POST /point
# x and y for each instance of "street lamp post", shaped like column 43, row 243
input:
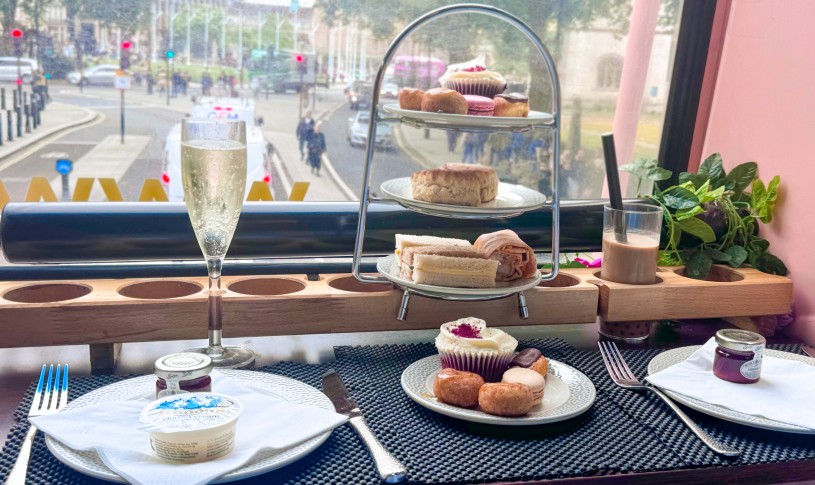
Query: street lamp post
column 187, row 53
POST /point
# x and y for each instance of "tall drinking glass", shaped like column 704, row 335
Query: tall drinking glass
column 213, row 173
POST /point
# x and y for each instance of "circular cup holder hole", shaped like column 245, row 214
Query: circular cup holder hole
column 349, row 283
column 657, row 279
column 562, row 280
column 717, row 274
column 266, row 286
column 160, row 290
column 46, row 293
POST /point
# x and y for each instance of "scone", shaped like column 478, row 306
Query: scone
column 458, row 388
column 486, row 177
column 441, row 100
column 447, row 187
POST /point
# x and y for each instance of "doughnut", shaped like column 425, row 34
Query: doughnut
column 411, row 98
column 457, row 387
column 505, row 399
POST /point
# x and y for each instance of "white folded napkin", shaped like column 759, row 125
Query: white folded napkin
column 785, row 391
column 267, row 422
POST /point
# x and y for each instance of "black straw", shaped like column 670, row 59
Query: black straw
column 614, row 193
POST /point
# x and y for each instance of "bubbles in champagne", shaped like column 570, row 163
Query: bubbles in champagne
column 213, row 173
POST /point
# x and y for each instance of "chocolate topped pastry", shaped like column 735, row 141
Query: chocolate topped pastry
column 531, row 359
column 511, row 105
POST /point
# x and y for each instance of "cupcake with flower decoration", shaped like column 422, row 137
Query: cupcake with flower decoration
column 468, row 345
column 473, row 77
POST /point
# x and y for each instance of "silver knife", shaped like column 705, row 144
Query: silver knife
column 808, row 350
column 389, row 468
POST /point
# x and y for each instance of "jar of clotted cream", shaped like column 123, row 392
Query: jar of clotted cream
column 183, row 372
column 738, row 355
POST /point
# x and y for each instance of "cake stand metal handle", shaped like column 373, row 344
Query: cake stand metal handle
column 523, row 310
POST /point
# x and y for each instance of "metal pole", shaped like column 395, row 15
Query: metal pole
column 223, row 36
column 122, row 110
column 172, row 24
column 19, row 78
column 2, row 99
column 19, row 121
column 118, row 42
column 240, row 42
column 66, row 188
column 10, row 126
column 167, row 74
column 153, row 30
column 1, row 131
column 260, row 29
column 188, row 54
column 277, row 30
column 207, row 18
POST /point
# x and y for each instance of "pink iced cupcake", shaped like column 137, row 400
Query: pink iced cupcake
column 473, row 77
column 467, row 344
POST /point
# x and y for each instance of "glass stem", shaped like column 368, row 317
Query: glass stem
column 215, row 307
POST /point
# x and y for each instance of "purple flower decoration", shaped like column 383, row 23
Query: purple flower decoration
column 593, row 264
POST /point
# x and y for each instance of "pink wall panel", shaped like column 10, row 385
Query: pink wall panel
column 764, row 110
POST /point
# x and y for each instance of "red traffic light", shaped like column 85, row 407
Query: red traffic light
column 19, row 81
column 127, row 44
column 299, row 58
column 17, row 33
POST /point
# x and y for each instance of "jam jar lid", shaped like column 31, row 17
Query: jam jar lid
column 183, row 366
column 739, row 340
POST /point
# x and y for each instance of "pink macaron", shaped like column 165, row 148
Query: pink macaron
column 479, row 105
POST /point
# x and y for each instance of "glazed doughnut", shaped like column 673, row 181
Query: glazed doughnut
column 411, row 98
column 458, row 388
column 505, row 399
column 441, row 100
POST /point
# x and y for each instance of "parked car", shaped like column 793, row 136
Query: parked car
column 101, row 75
column 358, row 132
column 258, row 163
column 359, row 95
column 8, row 69
column 390, row 90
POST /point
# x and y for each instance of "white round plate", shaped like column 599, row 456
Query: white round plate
column 388, row 268
column 89, row 463
column 447, row 120
column 512, row 200
column 568, row 392
column 674, row 356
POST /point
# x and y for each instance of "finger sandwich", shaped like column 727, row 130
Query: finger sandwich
column 455, row 272
column 404, row 241
column 409, row 255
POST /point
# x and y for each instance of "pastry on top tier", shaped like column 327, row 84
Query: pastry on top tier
column 467, row 344
column 473, row 77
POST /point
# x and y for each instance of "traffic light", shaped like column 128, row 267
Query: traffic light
column 169, row 54
column 302, row 68
column 124, row 56
column 17, row 40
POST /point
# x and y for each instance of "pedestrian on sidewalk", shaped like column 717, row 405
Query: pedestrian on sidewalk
column 452, row 140
column 316, row 148
column 304, row 130
column 206, row 84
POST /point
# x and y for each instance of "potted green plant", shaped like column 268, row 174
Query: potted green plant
column 713, row 216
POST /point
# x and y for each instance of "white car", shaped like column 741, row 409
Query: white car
column 258, row 165
column 101, row 75
column 357, row 134
column 8, row 69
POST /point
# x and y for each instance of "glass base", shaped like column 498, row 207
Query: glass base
column 228, row 357
column 625, row 331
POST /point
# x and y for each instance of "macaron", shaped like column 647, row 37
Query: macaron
column 479, row 105
column 534, row 381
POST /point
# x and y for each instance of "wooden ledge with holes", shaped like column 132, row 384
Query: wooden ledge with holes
column 105, row 313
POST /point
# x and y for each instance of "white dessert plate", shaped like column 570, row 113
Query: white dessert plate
column 447, row 120
column 89, row 463
column 388, row 268
column 568, row 393
column 512, row 200
column 675, row 356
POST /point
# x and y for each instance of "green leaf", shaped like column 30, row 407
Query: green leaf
column 658, row 173
column 683, row 214
column 649, row 163
column 712, row 168
column 698, row 266
column 772, row 196
column 770, row 263
column 717, row 255
column 758, row 195
column 698, row 228
column 629, row 167
column 711, row 195
column 679, row 198
column 703, row 189
column 741, row 177
column 759, row 245
column 738, row 255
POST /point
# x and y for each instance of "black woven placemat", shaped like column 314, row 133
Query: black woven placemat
column 623, row 432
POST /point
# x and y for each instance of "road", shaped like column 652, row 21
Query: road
column 148, row 120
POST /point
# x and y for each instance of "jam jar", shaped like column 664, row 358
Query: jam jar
column 183, row 372
column 738, row 355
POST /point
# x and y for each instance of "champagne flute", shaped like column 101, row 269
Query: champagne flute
column 213, row 173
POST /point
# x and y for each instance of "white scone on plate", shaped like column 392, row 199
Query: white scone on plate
column 404, row 241
column 446, row 187
column 454, row 272
column 486, row 177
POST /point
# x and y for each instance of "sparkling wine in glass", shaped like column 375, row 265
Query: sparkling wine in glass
column 213, row 172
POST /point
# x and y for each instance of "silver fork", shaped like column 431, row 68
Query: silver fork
column 622, row 376
column 46, row 401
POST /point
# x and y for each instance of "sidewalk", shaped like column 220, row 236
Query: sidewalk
column 56, row 118
column 427, row 152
